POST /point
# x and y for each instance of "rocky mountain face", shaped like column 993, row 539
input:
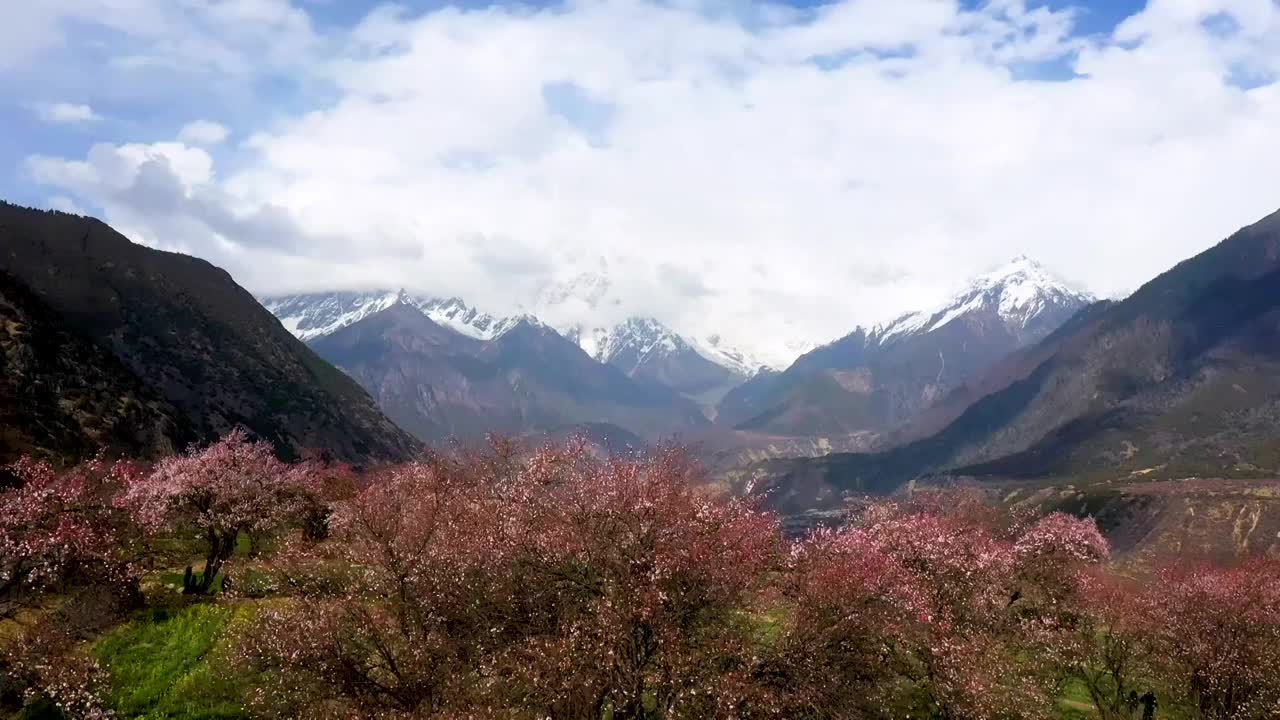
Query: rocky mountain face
column 528, row 379
column 1180, row 379
column 878, row 379
column 194, row 340
column 1151, row 524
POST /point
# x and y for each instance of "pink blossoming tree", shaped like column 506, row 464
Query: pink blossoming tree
column 551, row 584
column 985, row 603
column 1219, row 639
column 48, row 668
column 1116, row 646
column 58, row 527
column 62, row 541
column 231, row 487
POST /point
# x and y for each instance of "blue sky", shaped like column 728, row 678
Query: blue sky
column 133, row 113
column 753, row 169
column 130, row 113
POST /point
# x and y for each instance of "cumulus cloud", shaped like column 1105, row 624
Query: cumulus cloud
column 61, row 113
column 203, row 132
column 748, row 170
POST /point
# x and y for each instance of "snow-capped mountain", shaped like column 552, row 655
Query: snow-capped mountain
column 651, row 338
column 579, row 307
column 455, row 314
column 1022, row 293
column 877, row 379
column 870, row 380
column 648, row 351
column 313, row 315
column 438, row 383
column 639, row 339
column 767, row 355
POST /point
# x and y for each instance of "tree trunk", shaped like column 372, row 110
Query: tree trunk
column 221, row 546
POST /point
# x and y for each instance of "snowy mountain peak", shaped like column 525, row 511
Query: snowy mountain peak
column 1022, row 275
column 312, row 315
column 1018, row 292
column 644, row 336
column 523, row 320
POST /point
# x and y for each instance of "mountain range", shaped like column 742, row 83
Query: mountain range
column 648, row 353
column 439, row 383
column 636, row 342
column 848, row 393
column 1018, row 377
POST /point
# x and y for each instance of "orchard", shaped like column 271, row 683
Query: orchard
column 508, row 582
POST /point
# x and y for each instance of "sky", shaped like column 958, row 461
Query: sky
column 748, row 169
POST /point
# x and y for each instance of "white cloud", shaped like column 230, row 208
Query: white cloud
column 62, row 113
column 238, row 37
column 801, row 172
column 65, row 204
column 203, row 132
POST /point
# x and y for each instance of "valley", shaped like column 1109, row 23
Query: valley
column 639, row 360
column 1115, row 457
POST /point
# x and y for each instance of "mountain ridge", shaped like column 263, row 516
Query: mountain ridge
column 528, row 378
column 313, row 315
column 196, row 338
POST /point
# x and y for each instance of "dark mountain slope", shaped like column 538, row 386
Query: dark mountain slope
column 187, row 331
column 64, row 398
column 555, row 383
column 1182, row 378
column 1014, row 367
column 421, row 374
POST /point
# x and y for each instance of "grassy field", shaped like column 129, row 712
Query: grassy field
column 162, row 664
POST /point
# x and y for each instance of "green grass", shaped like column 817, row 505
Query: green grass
column 1075, row 703
column 767, row 626
column 162, row 665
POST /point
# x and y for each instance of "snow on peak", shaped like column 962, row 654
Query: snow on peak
column 455, row 314
column 1019, row 291
column 1025, row 288
column 507, row 324
column 644, row 336
column 312, row 315
column 777, row 355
